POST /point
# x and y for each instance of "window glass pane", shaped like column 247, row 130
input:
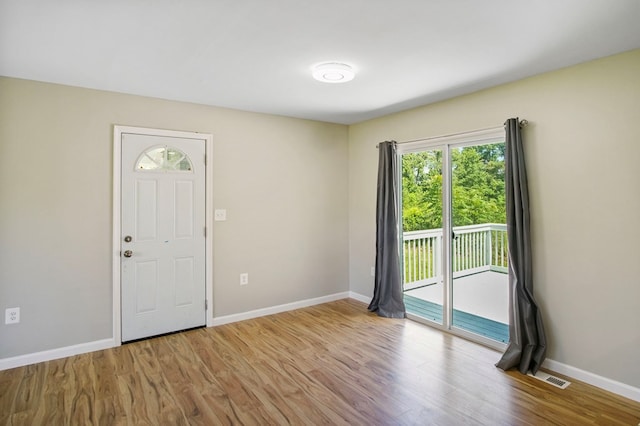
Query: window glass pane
column 422, row 234
column 184, row 164
column 177, row 160
column 173, row 156
column 146, row 163
column 156, row 155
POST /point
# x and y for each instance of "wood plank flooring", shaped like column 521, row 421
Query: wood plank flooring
column 329, row 364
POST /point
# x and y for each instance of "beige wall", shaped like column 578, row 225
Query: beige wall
column 582, row 146
column 282, row 181
column 583, row 154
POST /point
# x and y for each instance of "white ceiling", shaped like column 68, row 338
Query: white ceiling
column 255, row 55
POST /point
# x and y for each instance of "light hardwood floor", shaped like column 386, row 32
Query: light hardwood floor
column 329, row 364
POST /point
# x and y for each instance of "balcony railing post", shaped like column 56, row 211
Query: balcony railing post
column 487, row 248
column 437, row 261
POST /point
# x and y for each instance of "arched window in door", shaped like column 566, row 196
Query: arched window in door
column 163, row 159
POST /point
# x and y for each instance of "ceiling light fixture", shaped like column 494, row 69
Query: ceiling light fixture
column 333, row 72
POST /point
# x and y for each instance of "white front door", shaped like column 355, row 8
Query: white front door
column 163, row 234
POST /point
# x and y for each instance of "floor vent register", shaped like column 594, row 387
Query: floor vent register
column 552, row 380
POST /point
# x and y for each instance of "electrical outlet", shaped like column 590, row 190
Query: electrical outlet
column 12, row 316
column 244, row 278
column 373, row 271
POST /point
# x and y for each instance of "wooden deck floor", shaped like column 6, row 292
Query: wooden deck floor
column 473, row 323
column 329, row 364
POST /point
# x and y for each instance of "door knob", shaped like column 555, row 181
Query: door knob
column 128, row 253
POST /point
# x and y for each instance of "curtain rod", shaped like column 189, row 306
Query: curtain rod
column 523, row 123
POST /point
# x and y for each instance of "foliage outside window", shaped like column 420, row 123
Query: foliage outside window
column 478, row 192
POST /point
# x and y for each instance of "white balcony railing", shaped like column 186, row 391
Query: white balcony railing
column 475, row 248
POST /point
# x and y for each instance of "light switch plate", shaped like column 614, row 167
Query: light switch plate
column 220, row 215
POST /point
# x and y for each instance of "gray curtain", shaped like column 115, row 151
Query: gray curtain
column 527, row 342
column 387, row 294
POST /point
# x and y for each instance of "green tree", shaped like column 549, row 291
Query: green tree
column 477, row 187
column 421, row 190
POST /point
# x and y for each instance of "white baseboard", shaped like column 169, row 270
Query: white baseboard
column 360, row 297
column 610, row 385
column 227, row 319
column 49, row 355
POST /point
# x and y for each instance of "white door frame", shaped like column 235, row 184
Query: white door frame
column 117, row 225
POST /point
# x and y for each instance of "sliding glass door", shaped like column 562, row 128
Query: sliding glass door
column 454, row 237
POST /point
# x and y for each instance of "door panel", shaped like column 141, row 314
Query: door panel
column 146, row 286
column 146, row 213
column 184, row 214
column 479, row 291
column 183, row 281
column 163, row 210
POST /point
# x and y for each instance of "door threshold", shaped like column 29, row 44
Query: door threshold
column 163, row 334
